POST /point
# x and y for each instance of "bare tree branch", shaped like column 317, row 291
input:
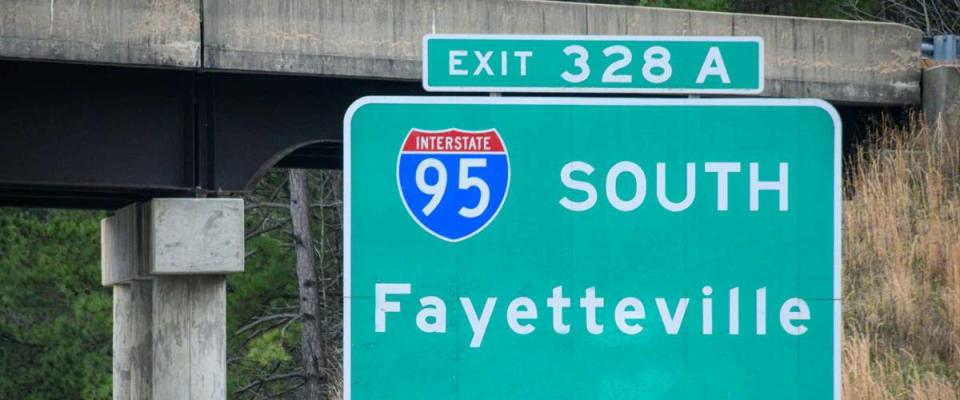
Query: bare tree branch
column 266, row 380
column 269, row 318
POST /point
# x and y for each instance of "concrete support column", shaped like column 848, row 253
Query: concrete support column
column 941, row 98
column 121, row 341
column 121, row 265
column 167, row 261
column 132, row 340
column 190, row 337
column 140, row 339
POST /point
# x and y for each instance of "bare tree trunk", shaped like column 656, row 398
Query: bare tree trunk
column 311, row 337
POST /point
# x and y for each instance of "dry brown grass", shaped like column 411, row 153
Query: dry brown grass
column 902, row 267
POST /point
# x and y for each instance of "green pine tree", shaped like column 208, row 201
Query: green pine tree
column 55, row 317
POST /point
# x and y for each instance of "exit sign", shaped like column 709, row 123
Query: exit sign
column 600, row 64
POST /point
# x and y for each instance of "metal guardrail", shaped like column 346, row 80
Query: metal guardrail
column 940, row 48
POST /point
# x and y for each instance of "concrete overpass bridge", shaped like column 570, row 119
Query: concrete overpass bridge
column 114, row 101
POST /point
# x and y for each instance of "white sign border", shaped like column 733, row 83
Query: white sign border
column 454, row 100
column 542, row 89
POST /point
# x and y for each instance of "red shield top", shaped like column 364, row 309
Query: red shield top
column 453, row 141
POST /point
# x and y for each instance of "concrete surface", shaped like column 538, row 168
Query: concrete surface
column 140, row 339
column 169, row 322
column 844, row 61
column 841, row 61
column 194, row 236
column 941, row 97
column 190, row 338
column 122, row 318
column 133, row 341
column 120, row 256
column 140, row 32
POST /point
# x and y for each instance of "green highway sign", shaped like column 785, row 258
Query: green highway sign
column 601, row 64
column 561, row 248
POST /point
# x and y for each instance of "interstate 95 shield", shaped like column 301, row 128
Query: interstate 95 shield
column 454, row 181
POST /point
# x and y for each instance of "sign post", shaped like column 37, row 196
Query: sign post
column 563, row 248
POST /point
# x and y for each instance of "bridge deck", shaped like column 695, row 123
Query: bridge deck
column 841, row 61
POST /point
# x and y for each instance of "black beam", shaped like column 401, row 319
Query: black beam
column 258, row 120
column 95, row 127
column 105, row 136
